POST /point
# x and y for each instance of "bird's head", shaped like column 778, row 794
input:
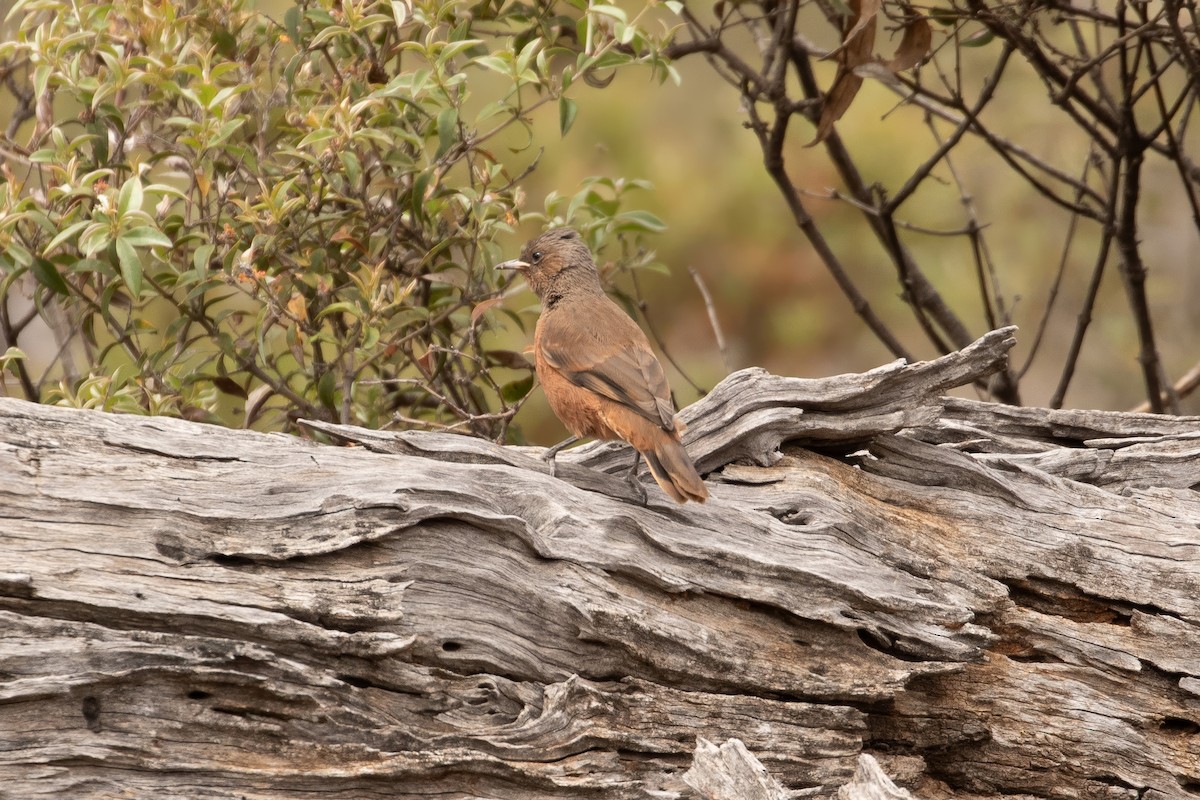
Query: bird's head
column 556, row 262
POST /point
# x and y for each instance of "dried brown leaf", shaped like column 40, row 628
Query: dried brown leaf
column 229, row 386
column 914, row 46
column 481, row 309
column 841, row 94
column 865, row 12
column 424, row 363
column 857, row 49
column 508, row 358
column 254, row 403
column 298, row 308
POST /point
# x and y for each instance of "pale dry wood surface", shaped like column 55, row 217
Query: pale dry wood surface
column 986, row 601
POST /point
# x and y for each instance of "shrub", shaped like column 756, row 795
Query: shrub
column 249, row 220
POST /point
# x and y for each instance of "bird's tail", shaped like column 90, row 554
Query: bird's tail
column 672, row 467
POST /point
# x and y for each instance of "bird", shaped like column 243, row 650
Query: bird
column 596, row 367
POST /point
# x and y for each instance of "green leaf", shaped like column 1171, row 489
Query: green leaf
column 979, row 38
column 514, row 391
column 94, row 238
column 162, row 189
column 130, row 198
column 226, row 131
column 327, row 34
column 66, row 233
column 610, row 11
column 417, row 199
column 47, row 275
column 201, row 257
column 203, row 288
column 351, row 165
column 99, row 141
column 451, row 50
column 316, row 137
column 85, row 265
column 399, row 13
column 10, row 355
column 567, row 109
column 494, row 63
column 145, row 237
column 291, row 21
column 327, row 391
column 527, row 53
column 342, row 307
column 611, row 58
column 225, row 43
column 655, row 266
column 409, row 316
column 447, row 128
column 229, row 386
column 508, row 358
column 131, row 266
column 944, row 16
column 41, row 78
column 640, row 220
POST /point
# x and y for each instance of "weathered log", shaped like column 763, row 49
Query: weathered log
column 989, row 601
column 731, row 772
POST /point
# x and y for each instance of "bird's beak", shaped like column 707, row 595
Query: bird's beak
column 516, row 263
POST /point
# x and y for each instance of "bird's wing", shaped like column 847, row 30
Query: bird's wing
column 620, row 367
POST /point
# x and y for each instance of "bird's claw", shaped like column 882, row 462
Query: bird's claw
column 552, row 453
column 638, row 489
column 551, row 459
column 631, row 478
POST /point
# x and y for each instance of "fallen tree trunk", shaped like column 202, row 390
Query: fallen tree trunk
column 988, row 600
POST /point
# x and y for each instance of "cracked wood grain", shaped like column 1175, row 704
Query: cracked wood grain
column 983, row 601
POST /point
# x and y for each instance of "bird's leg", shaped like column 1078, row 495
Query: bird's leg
column 632, row 479
column 550, row 455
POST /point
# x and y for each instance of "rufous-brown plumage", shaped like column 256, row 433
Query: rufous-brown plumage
column 596, row 366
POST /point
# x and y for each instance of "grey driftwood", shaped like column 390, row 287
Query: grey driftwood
column 968, row 600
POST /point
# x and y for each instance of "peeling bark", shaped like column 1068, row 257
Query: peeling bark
column 983, row 600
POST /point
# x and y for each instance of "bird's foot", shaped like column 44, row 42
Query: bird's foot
column 639, row 490
column 551, row 454
column 631, row 478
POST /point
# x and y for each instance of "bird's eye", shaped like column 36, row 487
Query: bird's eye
column 537, row 256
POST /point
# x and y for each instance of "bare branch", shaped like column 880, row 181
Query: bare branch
column 712, row 318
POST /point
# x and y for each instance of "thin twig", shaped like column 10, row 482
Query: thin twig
column 643, row 307
column 9, row 339
column 712, row 318
column 1181, row 388
column 1084, row 319
column 866, row 208
column 1133, row 269
column 1056, row 284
